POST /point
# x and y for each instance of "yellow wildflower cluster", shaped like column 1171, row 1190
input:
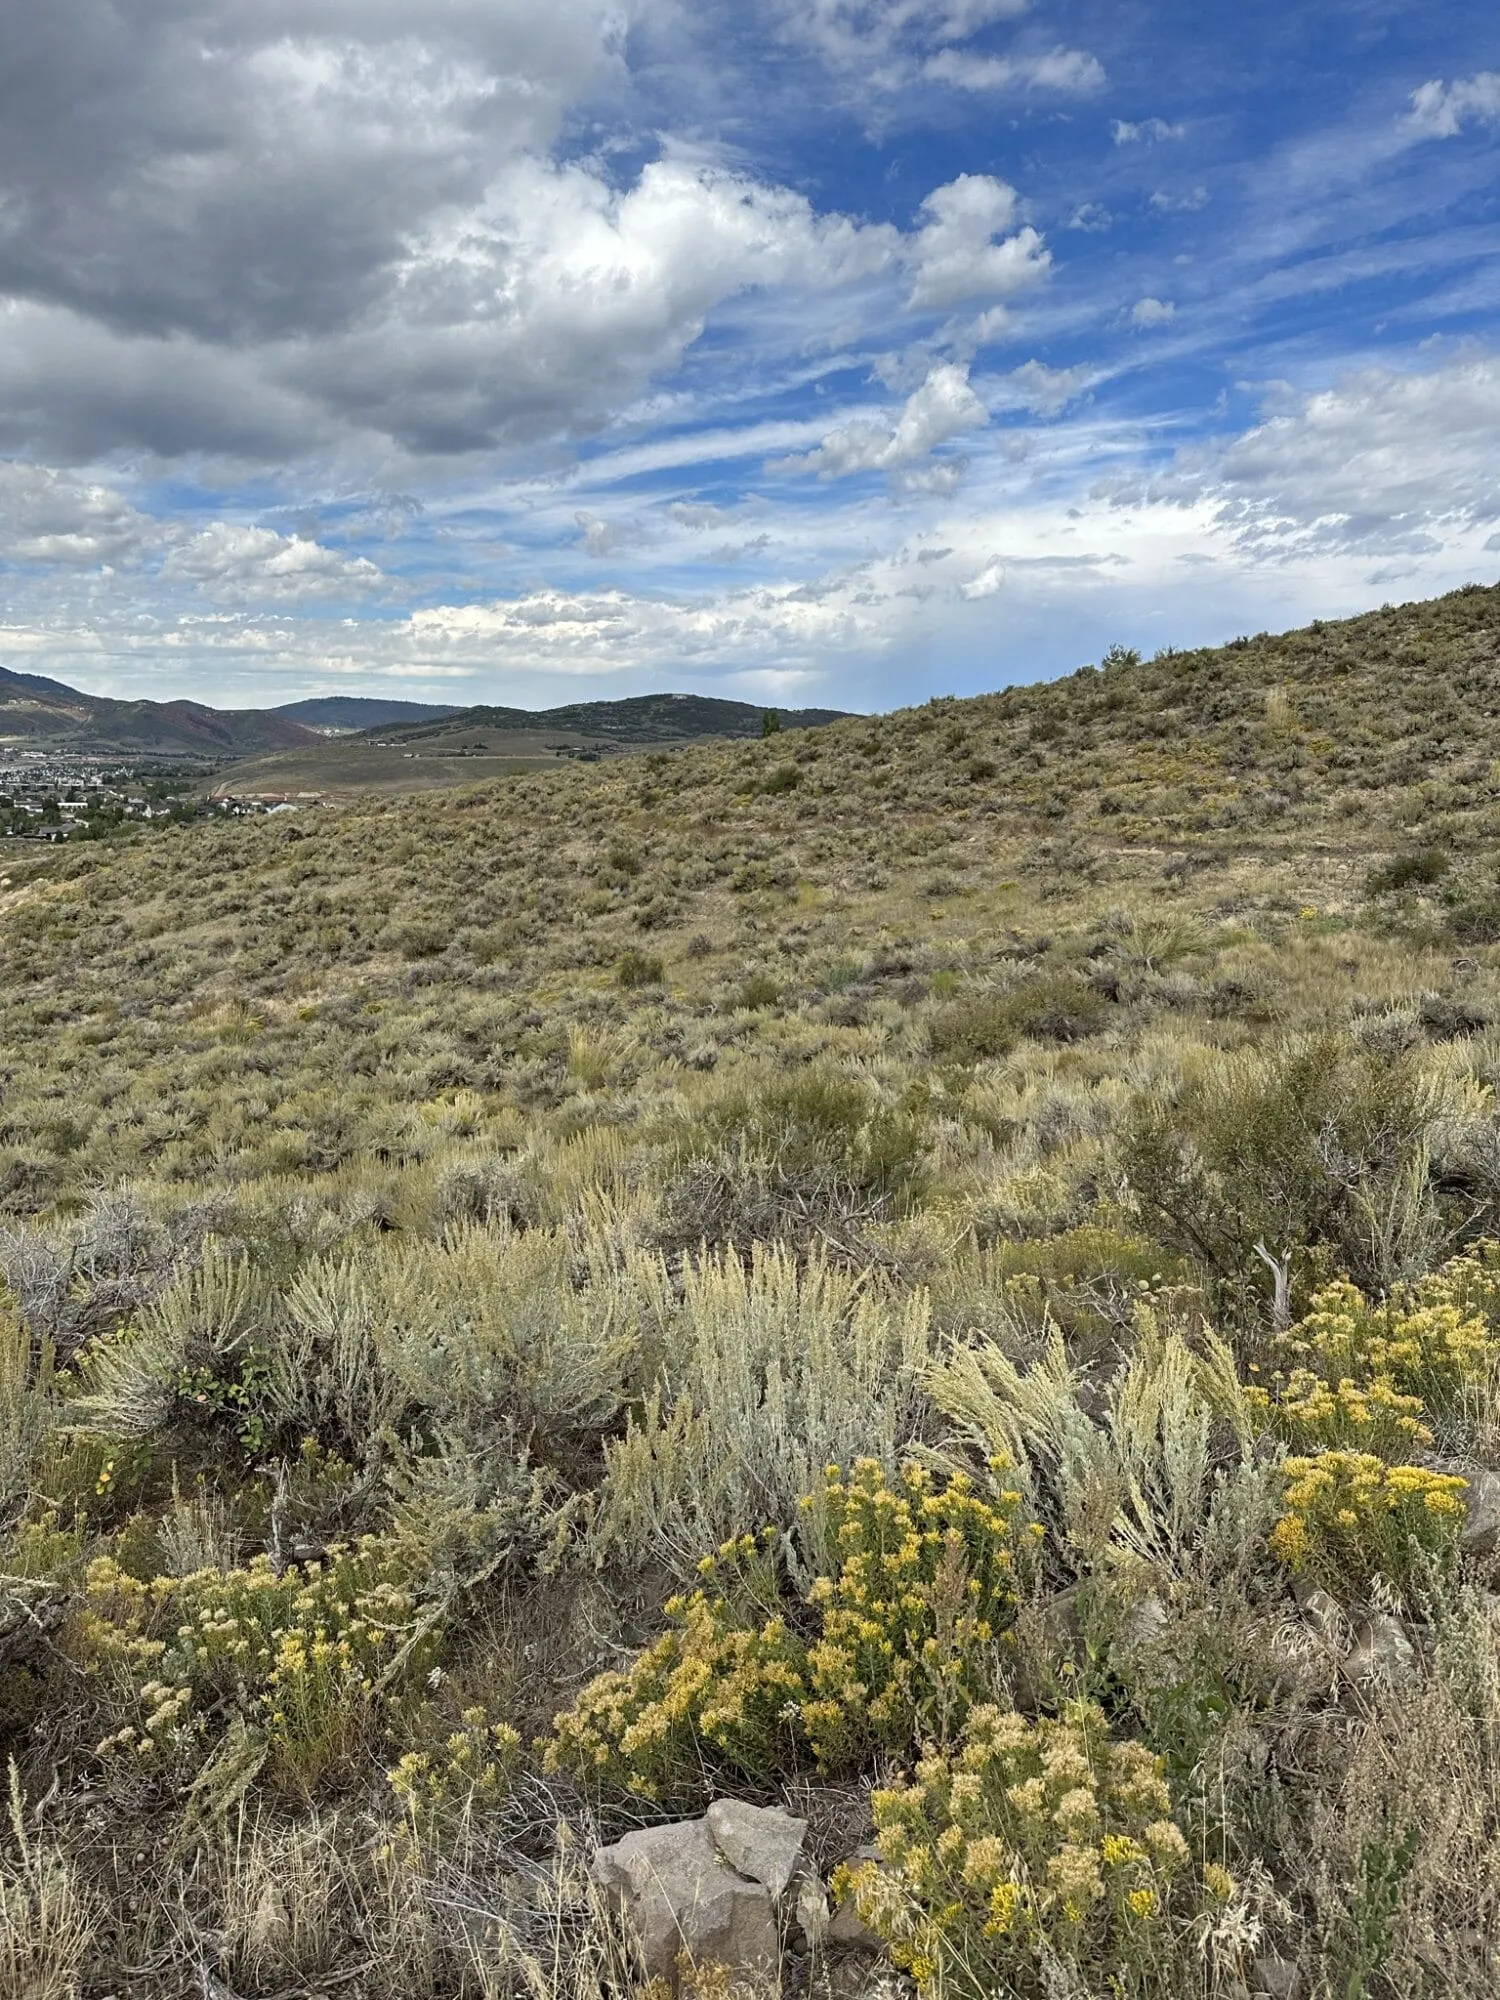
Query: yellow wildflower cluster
column 1312, row 1414
column 925, row 1582
column 1429, row 1340
column 713, row 1688
column 889, row 1645
column 298, row 1655
column 1349, row 1518
column 1364, row 1375
column 1032, row 1844
column 472, row 1769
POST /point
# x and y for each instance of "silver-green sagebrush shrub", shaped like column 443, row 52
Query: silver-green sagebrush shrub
column 498, row 1323
column 770, row 1370
column 190, row 1354
column 1162, row 1475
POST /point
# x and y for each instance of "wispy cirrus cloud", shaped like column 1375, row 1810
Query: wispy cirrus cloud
column 1124, row 132
column 1070, row 72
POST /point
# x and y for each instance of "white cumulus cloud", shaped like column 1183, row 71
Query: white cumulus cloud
column 1383, row 461
column 46, row 517
column 944, row 407
column 1152, row 312
column 1045, row 391
column 989, row 583
column 961, row 252
column 242, row 565
column 1441, row 110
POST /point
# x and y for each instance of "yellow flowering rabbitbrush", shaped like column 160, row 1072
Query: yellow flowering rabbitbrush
column 471, row 1769
column 1028, row 1845
column 716, row 1691
column 889, row 1644
column 925, row 1583
column 1350, row 1518
column 299, row 1655
column 1432, row 1339
column 1313, row 1414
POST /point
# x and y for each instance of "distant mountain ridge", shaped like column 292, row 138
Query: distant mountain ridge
column 360, row 711
column 641, row 718
column 42, row 714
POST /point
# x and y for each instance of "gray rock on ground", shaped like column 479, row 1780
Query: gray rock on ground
column 763, row 1842
column 813, row 1917
column 1481, row 1529
column 1381, row 1652
column 1481, row 1533
column 848, row 1931
column 705, row 1890
column 683, row 1899
column 1277, row 1978
column 1325, row 1618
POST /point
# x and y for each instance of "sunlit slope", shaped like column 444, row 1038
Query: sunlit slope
column 431, row 944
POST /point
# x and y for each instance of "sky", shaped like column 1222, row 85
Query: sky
column 836, row 352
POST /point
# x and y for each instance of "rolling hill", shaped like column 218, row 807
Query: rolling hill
column 46, row 714
column 38, row 713
column 1018, row 1177
column 358, row 711
column 491, row 742
column 637, row 719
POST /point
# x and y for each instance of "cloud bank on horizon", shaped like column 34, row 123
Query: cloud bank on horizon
column 848, row 351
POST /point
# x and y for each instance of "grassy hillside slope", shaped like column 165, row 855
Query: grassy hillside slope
column 433, row 1227
column 36, row 713
column 636, row 719
column 466, row 746
column 334, row 711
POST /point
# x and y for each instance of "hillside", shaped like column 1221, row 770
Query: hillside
column 435, row 1227
column 467, row 745
column 637, row 719
column 36, row 713
column 335, row 711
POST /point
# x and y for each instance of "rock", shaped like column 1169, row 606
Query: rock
column 1061, row 1618
column 684, row 1900
column 1278, row 1978
column 812, row 1912
column 1325, row 1618
column 1381, row 1653
column 763, row 1842
column 848, row 1930
column 1481, row 1534
column 1144, row 1622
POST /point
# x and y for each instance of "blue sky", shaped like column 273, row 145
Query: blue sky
column 836, row 351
